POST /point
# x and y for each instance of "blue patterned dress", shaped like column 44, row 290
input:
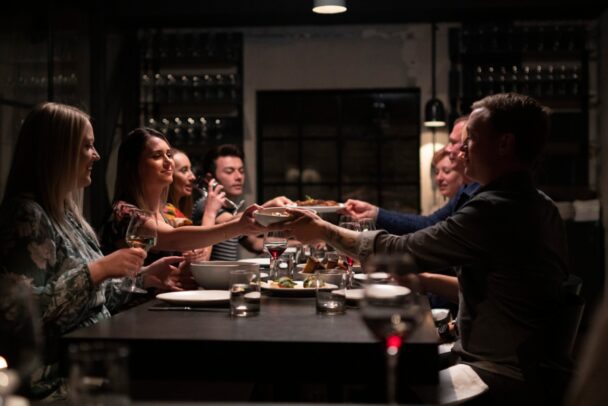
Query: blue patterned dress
column 32, row 246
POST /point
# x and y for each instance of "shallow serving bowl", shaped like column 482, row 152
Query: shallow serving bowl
column 216, row 274
column 272, row 215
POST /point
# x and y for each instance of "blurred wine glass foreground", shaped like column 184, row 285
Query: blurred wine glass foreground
column 21, row 344
column 391, row 312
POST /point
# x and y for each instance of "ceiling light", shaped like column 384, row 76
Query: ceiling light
column 434, row 112
column 329, row 6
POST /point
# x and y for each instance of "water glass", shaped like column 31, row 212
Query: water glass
column 330, row 291
column 99, row 374
column 244, row 293
column 284, row 266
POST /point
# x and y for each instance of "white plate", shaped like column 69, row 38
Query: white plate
column 322, row 209
column 362, row 277
column 297, row 290
column 195, row 297
column 354, row 294
column 260, row 261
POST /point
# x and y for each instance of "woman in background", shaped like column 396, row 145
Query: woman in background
column 448, row 180
column 179, row 206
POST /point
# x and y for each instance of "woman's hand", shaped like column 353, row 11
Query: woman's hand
column 360, row 209
column 305, row 227
column 197, row 255
column 216, row 197
column 117, row 264
column 247, row 222
column 279, row 201
column 163, row 275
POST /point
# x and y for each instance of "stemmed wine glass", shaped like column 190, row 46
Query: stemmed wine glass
column 275, row 242
column 350, row 223
column 141, row 233
column 367, row 224
column 391, row 311
column 21, row 336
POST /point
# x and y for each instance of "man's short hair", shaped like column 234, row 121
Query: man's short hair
column 521, row 116
column 213, row 154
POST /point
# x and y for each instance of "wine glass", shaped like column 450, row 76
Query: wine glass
column 22, row 347
column 350, row 223
column 275, row 242
column 391, row 311
column 141, row 233
column 367, row 224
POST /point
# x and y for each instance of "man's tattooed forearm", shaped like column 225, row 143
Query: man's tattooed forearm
column 343, row 240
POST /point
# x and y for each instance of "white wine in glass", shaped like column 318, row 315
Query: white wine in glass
column 141, row 233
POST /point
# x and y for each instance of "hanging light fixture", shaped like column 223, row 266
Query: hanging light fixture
column 329, row 6
column 434, row 112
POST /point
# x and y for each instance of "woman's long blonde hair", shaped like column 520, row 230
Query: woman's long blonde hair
column 185, row 203
column 46, row 162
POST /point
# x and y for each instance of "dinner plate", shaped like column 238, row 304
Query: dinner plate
column 195, row 297
column 322, row 209
column 353, row 295
column 263, row 262
column 298, row 290
column 362, row 277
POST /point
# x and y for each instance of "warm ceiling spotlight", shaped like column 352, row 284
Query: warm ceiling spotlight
column 329, row 6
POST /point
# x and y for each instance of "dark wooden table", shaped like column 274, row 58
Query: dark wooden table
column 286, row 343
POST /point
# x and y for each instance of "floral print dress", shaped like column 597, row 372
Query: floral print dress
column 32, row 246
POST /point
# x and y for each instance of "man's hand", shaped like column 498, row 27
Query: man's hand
column 279, row 201
column 360, row 210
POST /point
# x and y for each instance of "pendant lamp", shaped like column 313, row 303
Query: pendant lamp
column 329, row 6
column 434, row 112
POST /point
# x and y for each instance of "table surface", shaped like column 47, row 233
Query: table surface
column 284, row 344
column 281, row 319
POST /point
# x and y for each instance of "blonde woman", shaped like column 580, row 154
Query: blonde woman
column 45, row 240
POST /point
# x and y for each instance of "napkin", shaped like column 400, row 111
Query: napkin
column 456, row 384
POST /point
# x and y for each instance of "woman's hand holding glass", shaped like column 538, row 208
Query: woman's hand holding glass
column 141, row 233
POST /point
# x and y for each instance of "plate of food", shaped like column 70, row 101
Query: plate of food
column 318, row 205
column 196, row 297
column 272, row 215
column 286, row 286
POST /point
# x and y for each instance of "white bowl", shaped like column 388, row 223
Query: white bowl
column 272, row 215
column 215, row 275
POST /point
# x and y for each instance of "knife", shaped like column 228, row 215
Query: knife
column 188, row 308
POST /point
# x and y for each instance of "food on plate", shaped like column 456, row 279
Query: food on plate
column 312, row 264
column 316, row 202
column 283, row 282
column 309, row 282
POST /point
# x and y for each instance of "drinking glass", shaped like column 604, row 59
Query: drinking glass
column 367, row 224
column 284, row 266
column 21, row 335
column 244, row 293
column 330, row 291
column 141, row 233
column 391, row 311
column 99, row 374
column 350, row 223
column 275, row 242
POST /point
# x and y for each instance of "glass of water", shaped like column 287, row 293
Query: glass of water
column 244, row 293
column 331, row 291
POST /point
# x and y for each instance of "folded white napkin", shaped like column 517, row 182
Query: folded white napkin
column 456, row 384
